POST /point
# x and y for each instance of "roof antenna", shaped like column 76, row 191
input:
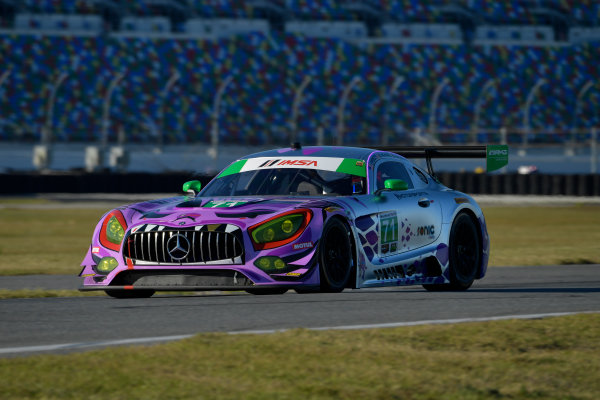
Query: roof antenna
column 296, row 146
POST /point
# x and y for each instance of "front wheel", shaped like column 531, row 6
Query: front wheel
column 335, row 256
column 464, row 254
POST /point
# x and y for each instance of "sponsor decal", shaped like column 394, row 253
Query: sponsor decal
column 350, row 166
column 293, row 274
column 409, row 195
column 497, row 157
column 291, row 162
column 307, row 245
column 389, row 248
column 87, row 275
column 389, row 233
column 428, row 230
column 223, row 204
column 95, row 250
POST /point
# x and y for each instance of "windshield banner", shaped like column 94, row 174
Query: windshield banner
column 343, row 165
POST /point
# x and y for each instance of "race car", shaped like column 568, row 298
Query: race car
column 302, row 218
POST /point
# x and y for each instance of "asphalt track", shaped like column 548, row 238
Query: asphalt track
column 31, row 326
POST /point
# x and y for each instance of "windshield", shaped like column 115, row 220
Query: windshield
column 286, row 182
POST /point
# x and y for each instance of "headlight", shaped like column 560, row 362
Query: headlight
column 279, row 230
column 113, row 230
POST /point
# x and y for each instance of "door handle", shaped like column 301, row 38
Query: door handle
column 424, row 202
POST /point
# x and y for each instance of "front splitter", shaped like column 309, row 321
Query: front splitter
column 89, row 288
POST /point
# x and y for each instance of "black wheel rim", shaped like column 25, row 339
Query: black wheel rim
column 465, row 251
column 336, row 255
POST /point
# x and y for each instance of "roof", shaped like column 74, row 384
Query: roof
column 358, row 153
column 349, row 160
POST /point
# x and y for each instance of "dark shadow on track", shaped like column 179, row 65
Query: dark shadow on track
column 537, row 290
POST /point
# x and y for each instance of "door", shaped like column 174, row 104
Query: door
column 408, row 219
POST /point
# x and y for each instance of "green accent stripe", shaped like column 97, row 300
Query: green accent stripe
column 353, row 166
column 233, row 168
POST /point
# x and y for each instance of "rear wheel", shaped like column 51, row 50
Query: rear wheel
column 335, row 256
column 129, row 294
column 464, row 255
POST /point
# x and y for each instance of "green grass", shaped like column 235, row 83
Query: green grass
column 556, row 358
column 544, row 235
column 8, row 201
column 55, row 241
column 39, row 293
column 39, row 241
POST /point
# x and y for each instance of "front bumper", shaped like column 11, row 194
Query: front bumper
column 238, row 278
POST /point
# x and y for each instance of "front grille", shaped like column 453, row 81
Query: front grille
column 206, row 244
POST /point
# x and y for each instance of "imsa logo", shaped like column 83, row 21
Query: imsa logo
column 281, row 163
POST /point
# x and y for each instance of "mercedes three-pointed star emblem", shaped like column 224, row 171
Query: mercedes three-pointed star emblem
column 178, row 247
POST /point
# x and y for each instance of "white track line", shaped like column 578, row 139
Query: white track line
column 87, row 345
column 158, row 339
column 416, row 323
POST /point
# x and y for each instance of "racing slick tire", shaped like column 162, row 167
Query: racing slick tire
column 129, row 294
column 464, row 252
column 335, row 256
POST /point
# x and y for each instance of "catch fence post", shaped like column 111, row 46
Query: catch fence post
column 594, row 151
column 503, row 135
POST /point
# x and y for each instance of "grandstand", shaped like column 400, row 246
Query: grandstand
column 527, row 66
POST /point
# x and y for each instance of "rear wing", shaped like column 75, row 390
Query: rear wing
column 496, row 155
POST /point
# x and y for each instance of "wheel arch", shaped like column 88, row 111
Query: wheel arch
column 475, row 219
column 353, row 274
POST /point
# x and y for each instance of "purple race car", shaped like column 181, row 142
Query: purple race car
column 308, row 219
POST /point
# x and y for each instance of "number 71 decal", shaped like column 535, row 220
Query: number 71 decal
column 388, row 235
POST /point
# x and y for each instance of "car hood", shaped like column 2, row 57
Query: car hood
column 243, row 211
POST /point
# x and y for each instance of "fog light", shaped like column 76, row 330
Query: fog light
column 106, row 265
column 270, row 264
column 279, row 264
column 264, row 263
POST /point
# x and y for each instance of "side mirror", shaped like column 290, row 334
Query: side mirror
column 395, row 184
column 392, row 185
column 192, row 187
